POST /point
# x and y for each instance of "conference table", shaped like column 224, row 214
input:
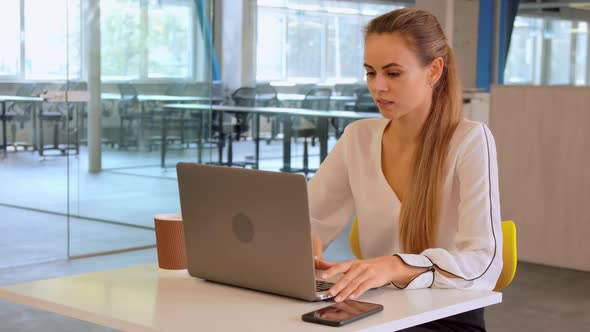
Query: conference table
column 285, row 113
column 3, row 100
column 146, row 298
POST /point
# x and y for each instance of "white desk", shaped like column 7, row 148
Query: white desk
column 144, row 298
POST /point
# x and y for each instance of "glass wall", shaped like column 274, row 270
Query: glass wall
column 85, row 173
column 548, row 51
column 152, row 54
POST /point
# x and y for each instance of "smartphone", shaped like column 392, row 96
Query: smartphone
column 342, row 313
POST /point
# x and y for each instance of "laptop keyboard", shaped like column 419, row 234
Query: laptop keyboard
column 322, row 286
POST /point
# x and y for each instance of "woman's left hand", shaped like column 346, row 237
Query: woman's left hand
column 362, row 275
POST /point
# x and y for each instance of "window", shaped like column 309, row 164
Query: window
column 140, row 39
column 143, row 39
column 548, row 51
column 10, row 38
column 312, row 40
column 121, row 44
column 581, row 67
column 52, row 36
column 524, row 58
column 169, row 41
column 50, row 48
column 559, row 34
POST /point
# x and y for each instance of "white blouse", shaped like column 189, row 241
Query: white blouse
column 469, row 244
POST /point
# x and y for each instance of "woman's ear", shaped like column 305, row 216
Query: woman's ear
column 436, row 70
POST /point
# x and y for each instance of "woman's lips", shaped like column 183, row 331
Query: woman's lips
column 384, row 103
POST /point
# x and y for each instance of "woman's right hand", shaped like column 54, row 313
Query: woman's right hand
column 318, row 257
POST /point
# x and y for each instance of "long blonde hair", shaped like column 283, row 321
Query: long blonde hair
column 420, row 212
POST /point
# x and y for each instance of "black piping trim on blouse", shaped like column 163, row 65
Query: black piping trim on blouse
column 430, row 269
column 491, row 217
column 409, row 282
column 433, row 271
column 491, row 222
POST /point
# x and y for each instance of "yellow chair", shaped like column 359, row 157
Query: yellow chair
column 509, row 255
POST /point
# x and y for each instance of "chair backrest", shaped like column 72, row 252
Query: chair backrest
column 266, row 95
column 26, row 90
column 128, row 97
column 24, row 109
column 72, row 86
column 317, row 99
column 509, row 253
column 244, row 96
column 345, row 89
column 305, row 88
column 364, row 101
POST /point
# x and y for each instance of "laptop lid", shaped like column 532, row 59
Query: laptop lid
column 248, row 228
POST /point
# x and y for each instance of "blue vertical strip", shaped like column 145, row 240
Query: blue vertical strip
column 206, row 28
column 485, row 44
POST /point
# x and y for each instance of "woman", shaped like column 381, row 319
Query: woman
column 423, row 181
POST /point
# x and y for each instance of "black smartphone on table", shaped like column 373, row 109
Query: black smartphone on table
column 342, row 313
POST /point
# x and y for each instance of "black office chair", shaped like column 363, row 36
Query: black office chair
column 8, row 117
column 346, row 89
column 305, row 88
column 62, row 114
column 315, row 99
column 267, row 96
column 130, row 112
column 364, row 101
column 22, row 112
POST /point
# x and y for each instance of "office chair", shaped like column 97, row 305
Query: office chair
column 315, row 99
column 129, row 111
column 509, row 252
column 345, row 89
column 22, row 112
column 62, row 114
column 364, row 101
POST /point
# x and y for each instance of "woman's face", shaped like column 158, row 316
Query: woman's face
column 395, row 77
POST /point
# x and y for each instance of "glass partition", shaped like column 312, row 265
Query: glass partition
column 139, row 56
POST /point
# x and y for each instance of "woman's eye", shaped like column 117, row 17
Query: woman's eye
column 370, row 74
column 394, row 74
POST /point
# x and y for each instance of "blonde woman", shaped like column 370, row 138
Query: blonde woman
column 423, row 181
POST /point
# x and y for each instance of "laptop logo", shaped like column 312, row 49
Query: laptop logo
column 243, row 228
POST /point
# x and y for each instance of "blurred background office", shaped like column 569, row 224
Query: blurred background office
column 153, row 82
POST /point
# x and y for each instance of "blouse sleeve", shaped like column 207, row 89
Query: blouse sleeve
column 330, row 198
column 476, row 261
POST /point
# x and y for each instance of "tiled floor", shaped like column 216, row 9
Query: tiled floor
column 131, row 189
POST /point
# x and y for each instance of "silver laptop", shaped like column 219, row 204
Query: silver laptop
column 249, row 228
